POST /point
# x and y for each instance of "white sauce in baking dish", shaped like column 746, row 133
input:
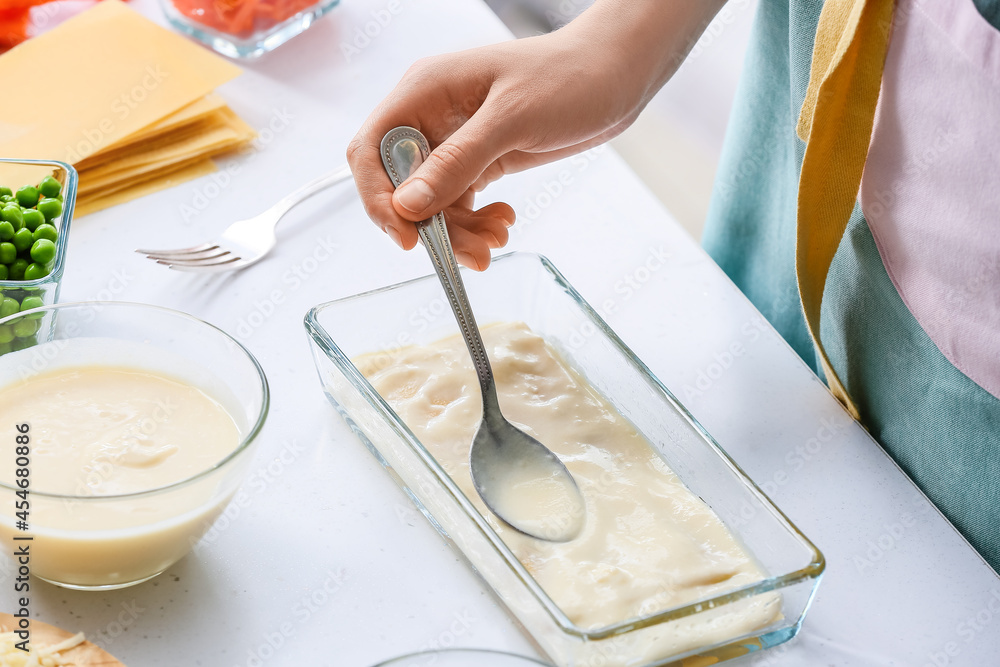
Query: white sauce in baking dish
column 648, row 543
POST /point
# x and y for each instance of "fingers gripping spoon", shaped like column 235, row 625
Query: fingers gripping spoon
column 521, row 481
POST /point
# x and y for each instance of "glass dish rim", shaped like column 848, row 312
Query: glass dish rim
column 68, row 206
column 813, row 570
column 477, row 651
column 245, row 441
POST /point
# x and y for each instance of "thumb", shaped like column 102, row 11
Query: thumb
column 449, row 171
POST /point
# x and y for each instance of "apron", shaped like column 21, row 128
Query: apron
column 930, row 187
column 900, row 168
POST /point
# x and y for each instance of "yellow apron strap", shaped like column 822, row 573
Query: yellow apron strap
column 836, row 123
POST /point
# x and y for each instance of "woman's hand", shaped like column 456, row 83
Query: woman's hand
column 503, row 108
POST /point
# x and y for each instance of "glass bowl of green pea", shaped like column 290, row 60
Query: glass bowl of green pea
column 36, row 206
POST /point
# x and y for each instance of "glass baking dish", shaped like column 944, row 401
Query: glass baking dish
column 528, row 288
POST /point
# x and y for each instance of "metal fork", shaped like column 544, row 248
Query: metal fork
column 247, row 241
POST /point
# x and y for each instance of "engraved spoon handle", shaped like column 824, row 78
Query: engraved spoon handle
column 435, row 236
column 403, row 149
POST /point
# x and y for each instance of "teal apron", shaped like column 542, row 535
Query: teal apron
column 896, row 337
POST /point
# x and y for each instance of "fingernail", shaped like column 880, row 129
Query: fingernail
column 415, row 195
column 465, row 259
column 394, row 235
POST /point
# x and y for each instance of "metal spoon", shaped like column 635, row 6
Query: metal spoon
column 519, row 479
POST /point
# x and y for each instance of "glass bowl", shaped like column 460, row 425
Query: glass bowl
column 13, row 174
column 521, row 287
column 461, row 657
column 87, row 541
column 244, row 28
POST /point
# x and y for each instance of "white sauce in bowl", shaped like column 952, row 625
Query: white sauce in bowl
column 99, row 431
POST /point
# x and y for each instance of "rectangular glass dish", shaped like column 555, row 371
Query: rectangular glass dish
column 521, row 287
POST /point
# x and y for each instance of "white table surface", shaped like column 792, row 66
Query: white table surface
column 326, row 559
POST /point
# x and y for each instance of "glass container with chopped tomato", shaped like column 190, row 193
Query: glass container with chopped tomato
column 244, row 28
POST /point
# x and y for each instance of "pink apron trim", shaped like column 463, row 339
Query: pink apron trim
column 931, row 186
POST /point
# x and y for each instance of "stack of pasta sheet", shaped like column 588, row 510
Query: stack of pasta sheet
column 130, row 104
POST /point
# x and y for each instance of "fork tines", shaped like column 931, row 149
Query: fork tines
column 204, row 257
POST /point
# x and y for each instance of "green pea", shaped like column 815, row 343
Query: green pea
column 5, row 348
column 12, row 214
column 3, row 272
column 23, row 239
column 17, row 268
column 8, row 253
column 31, row 302
column 6, row 334
column 8, row 307
column 5, row 191
column 43, row 251
column 50, row 187
column 6, row 231
column 45, row 231
column 24, row 327
column 33, row 218
column 50, row 208
column 27, row 196
column 35, row 271
column 23, row 343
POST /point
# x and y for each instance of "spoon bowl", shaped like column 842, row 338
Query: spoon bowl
column 524, row 483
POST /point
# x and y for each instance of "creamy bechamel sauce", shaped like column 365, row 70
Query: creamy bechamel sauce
column 99, row 431
column 103, row 431
column 648, row 543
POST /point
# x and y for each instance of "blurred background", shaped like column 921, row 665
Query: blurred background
column 675, row 144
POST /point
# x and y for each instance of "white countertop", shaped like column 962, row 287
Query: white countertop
column 324, row 558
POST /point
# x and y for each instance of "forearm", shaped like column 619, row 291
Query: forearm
column 510, row 106
column 647, row 39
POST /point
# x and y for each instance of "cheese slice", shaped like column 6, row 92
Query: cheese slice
column 118, row 74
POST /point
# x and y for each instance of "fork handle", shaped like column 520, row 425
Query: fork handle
column 308, row 190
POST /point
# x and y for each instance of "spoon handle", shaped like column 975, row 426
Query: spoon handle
column 403, row 149
column 435, row 237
